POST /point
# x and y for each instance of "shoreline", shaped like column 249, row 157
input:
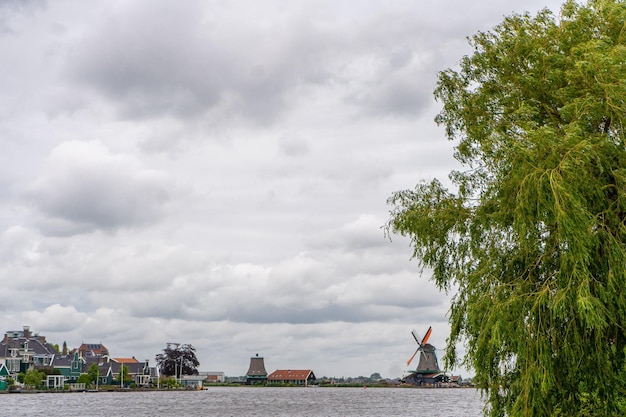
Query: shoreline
column 206, row 388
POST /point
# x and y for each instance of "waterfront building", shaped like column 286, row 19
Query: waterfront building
column 22, row 350
column 256, row 372
column 292, row 376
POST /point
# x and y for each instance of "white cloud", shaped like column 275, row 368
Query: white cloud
column 55, row 318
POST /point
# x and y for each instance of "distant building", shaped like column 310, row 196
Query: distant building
column 70, row 366
column 256, row 372
column 427, row 372
column 292, row 376
column 22, row 350
column 138, row 372
column 212, row 376
column 192, row 381
column 92, row 350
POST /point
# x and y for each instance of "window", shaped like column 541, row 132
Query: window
column 13, row 365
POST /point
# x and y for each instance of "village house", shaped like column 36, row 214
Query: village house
column 292, row 377
column 21, row 350
column 213, row 376
column 92, row 350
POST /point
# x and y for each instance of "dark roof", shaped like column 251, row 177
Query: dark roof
column 133, row 367
column 62, row 361
column 35, row 345
column 257, row 367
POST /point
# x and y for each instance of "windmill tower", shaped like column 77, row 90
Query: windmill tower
column 256, row 372
column 427, row 371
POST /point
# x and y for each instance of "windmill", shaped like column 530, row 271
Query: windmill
column 427, row 370
column 420, row 344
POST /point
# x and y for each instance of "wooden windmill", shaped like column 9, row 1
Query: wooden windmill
column 427, row 367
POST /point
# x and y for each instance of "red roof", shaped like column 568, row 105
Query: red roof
column 289, row 375
column 125, row 360
column 95, row 348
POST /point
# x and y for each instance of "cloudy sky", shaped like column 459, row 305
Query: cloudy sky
column 216, row 173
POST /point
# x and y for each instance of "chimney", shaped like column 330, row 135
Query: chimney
column 26, row 332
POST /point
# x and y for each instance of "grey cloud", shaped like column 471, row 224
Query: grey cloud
column 397, row 97
column 301, row 290
column 84, row 187
column 322, row 314
column 294, row 146
column 10, row 9
column 263, row 311
column 162, row 59
column 153, row 61
column 159, row 60
column 364, row 232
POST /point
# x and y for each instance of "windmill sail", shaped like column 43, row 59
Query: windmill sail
column 412, row 356
column 426, row 336
column 421, row 345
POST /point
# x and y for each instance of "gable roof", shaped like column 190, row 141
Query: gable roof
column 3, row 370
column 290, row 375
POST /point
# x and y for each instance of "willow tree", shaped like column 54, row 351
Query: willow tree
column 531, row 237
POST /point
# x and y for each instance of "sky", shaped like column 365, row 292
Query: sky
column 217, row 173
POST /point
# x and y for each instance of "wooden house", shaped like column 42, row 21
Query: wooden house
column 292, row 376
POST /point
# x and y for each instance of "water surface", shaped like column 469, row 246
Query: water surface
column 246, row 401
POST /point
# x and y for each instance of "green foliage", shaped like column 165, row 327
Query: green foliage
column 169, row 382
column 33, row 378
column 84, row 379
column 48, row 370
column 533, row 238
column 20, row 377
column 93, row 373
column 125, row 375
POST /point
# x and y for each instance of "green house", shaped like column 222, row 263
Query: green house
column 70, row 366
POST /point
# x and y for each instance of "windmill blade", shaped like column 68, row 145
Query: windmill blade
column 426, row 336
column 415, row 336
column 412, row 356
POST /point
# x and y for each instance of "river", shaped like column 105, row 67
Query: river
column 245, row 401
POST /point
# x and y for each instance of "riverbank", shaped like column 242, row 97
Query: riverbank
column 207, row 387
